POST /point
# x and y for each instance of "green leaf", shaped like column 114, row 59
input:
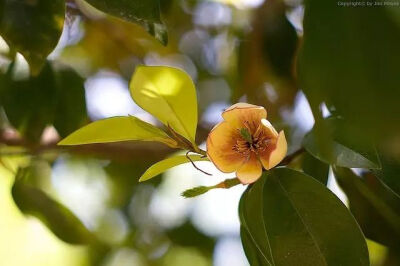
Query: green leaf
column 61, row 221
column 114, row 129
column 168, row 163
column 145, row 13
column 390, row 174
column 249, row 248
column 315, row 168
column 168, row 94
column 251, row 218
column 376, row 207
column 196, row 191
column 71, row 106
column 29, row 104
column 339, row 65
column 32, row 28
column 295, row 220
column 346, row 151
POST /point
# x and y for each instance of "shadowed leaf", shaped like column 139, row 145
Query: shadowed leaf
column 346, row 151
column 61, row 221
column 146, row 13
column 302, row 221
column 376, row 208
column 32, row 28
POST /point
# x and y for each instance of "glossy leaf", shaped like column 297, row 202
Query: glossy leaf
column 32, row 28
column 114, row 129
column 145, row 13
column 168, row 94
column 344, row 152
column 302, row 221
column 168, row 163
column 70, row 113
column 61, row 221
column 315, row 168
column 30, row 103
column 376, row 208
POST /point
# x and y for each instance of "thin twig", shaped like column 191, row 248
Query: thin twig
column 194, row 165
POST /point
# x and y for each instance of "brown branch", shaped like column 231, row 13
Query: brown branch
column 120, row 151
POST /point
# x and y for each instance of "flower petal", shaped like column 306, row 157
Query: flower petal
column 220, row 142
column 276, row 155
column 268, row 128
column 240, row 112
column 250, row 171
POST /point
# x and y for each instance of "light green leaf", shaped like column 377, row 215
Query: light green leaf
column 346, row 150
column 32, row 28
column 168, row 163
column 168, row 94
column 114, row 129
column 293, row 219
column 145, row 13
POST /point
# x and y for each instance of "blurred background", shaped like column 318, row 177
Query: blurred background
column 234, row 50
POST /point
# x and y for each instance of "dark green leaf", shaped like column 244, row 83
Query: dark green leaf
column 29, row 104
column 197, row 239
column 349, row 60
column 315, row 168
column 376, row 208
column 390, row 174
column 249, row 248
column 145, row 13
column 303, row 221
column 61, row 221
column 32, row 28
column 251, row 219
column 346, row 151
column 71, row 107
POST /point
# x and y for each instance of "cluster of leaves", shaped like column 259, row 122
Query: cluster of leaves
column 347, row 61
column 287, row 217
column 33, row 28
column 169, row 95
column 55, row 96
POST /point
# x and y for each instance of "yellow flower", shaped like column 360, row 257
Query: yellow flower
column 245, row 142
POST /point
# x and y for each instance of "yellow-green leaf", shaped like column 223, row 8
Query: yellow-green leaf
column 121, row 128
column 168, row 163
column 168, row 94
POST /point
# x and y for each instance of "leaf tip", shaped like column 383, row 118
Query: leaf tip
column 194, row 192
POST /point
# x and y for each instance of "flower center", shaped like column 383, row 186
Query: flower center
column 252, row 139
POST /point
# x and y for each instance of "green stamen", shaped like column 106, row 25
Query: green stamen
column 244, row 132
